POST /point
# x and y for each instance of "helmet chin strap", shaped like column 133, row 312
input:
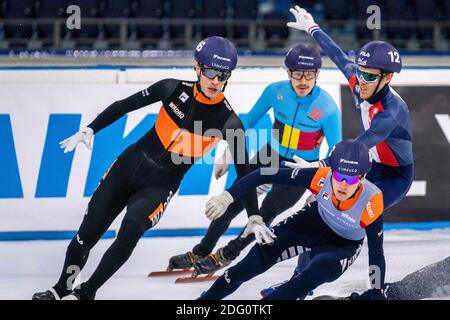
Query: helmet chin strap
column 224, row 86
column 199, row 87
column 378, row 85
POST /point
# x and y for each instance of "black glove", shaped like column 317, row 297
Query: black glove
column 371, row 294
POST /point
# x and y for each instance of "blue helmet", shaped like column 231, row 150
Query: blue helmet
column 350, row 157
column 303, row 57
column 379, row 55
column 217, row 53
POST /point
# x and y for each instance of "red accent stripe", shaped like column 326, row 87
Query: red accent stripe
column 352, row 82
column 310, row 140
column 312, row 27
column 387, row 157
column 374, row 110
column 385, row 153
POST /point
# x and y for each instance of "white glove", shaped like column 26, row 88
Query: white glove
column 262, row 233
column 84, row 136
column 216, row 206
column 304, row 20
column 222, row 164
column 300, row 163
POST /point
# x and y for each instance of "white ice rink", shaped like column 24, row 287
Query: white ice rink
column 30, row 266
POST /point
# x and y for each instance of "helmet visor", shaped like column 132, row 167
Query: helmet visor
column 339, row 177
column 211, row 73
column 368, row 77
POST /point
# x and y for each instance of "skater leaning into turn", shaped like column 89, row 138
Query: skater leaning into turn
column 384, row 114
column 148, row 173
column 304, row 115
column 331, row 230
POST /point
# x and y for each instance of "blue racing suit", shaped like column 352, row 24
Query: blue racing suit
column 300, row 123
column 386, row 128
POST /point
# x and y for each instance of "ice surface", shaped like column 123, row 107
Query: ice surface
column 30, row 266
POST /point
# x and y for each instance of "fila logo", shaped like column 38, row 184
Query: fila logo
column 326, row 195
column 279, row 97
column 183, row 96
column 365, row 54
column 321, row 182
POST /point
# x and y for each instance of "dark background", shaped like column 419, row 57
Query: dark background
column 430, row 146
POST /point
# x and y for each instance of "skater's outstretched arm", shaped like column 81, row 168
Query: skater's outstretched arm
column 305, row 22
column 283, row 176
column 154, row 93
column 216, row 206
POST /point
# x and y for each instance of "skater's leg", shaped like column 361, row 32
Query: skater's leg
column 324, row 266
column 290, row 242
column 393, row 182
column 144, row 210
column 106, row 203
column 218, row 226
column 216, row 229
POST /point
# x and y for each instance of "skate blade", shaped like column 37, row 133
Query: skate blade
column 208, row 277
column 169, row 273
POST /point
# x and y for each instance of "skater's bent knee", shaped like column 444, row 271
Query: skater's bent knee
column 130, row 230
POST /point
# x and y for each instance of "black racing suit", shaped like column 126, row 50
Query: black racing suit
column 148, row 173
column 278, row 199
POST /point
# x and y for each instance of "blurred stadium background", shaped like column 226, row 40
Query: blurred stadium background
column 133, row 30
